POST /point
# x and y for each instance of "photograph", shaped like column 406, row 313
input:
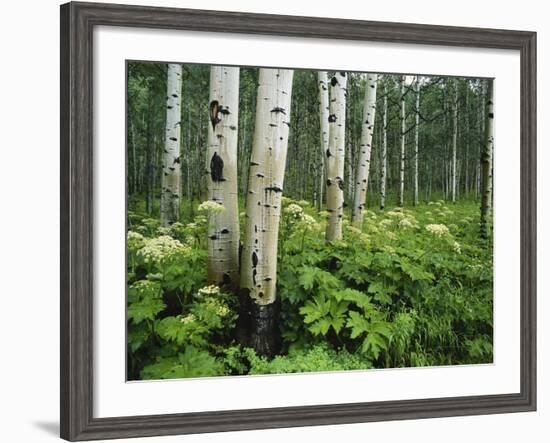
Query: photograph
column 294, row 220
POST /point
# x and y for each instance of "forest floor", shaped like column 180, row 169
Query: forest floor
column 413, row 287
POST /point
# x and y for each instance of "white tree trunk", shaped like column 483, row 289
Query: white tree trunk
column 221, row 178
column 455, row 133
column 265, row 185
column 335, row 156
column 365, row 149
column 384, row 153
column 324, row 125
column 416, row 133
column 487, row 160
column 402, row 140
column 171, row 160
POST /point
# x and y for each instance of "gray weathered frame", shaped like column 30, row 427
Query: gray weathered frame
column 77, row 23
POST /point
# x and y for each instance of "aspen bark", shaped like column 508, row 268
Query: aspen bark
column 487, row 161
column 324, row 126
column 416, row 134
column 335, row 156
column 263, row 208
column 221, row 177
column 384, row 153
column 365, row 149
column 402, row 141
column 171, row 169
column 455, row 133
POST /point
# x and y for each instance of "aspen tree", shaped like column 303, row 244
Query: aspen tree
column 455, row 134
column 416, row 134
column 171, row 164
column 402, row 141
column 263, row 208
column 221, row 177
column 384, row 153
column 335, row 156
column 487, row 161
column 365, row 149
column 324, row 126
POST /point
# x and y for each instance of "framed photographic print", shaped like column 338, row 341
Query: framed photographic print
column 272, row 221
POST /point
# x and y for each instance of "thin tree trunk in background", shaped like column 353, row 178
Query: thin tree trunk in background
column 171, row 160
column 335, row 156
column 383, row 156
column 148, row 158
column 365, row 149
column 324, row 126
column 221, row 178
column 466, row 133
column 416, row 133
column 402, row 129
column 263, row 209
column 455, row 134
column 487, row 161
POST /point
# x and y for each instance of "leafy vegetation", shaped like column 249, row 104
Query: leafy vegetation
column 412, row 288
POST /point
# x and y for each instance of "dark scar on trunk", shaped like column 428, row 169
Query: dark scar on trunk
column 216, row 168
column 214, row 111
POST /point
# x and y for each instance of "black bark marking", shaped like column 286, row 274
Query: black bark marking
column 174, row 139
column 329, row 182
column 332, row 118
column 254, row 259
column 342, row 73
column 340, row 183
column 254, row 164
column 273, row 188
column 328, row 153
column 224, row 231
column 277, row 109
column 177, row 160
column 260, row 175
column 214, row 111
column 233, row 127
column 491, row 115
column 333, row 81
column 213, row 237
column 216, row 168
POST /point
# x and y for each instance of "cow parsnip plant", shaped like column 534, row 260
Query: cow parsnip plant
column 411, row 288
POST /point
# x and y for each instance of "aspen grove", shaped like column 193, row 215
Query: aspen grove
column 290, row 220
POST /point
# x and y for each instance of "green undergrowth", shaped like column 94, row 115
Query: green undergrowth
column 412, row 288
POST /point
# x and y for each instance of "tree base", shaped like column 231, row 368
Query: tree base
column 258, row 326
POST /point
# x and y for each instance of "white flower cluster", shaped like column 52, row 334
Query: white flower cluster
column 386, row 223
column 163, row 230
column 135, row 240
column 189, row 318
column 303, row 203
column 405, row 223
column 396, row 214
column 160, row 248
column 456, row 247
column 209, row 290
column 210, row 206
column 295, row 210
column 309, row 222
column 437, row 230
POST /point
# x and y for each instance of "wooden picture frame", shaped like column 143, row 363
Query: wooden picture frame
column 77, row 23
